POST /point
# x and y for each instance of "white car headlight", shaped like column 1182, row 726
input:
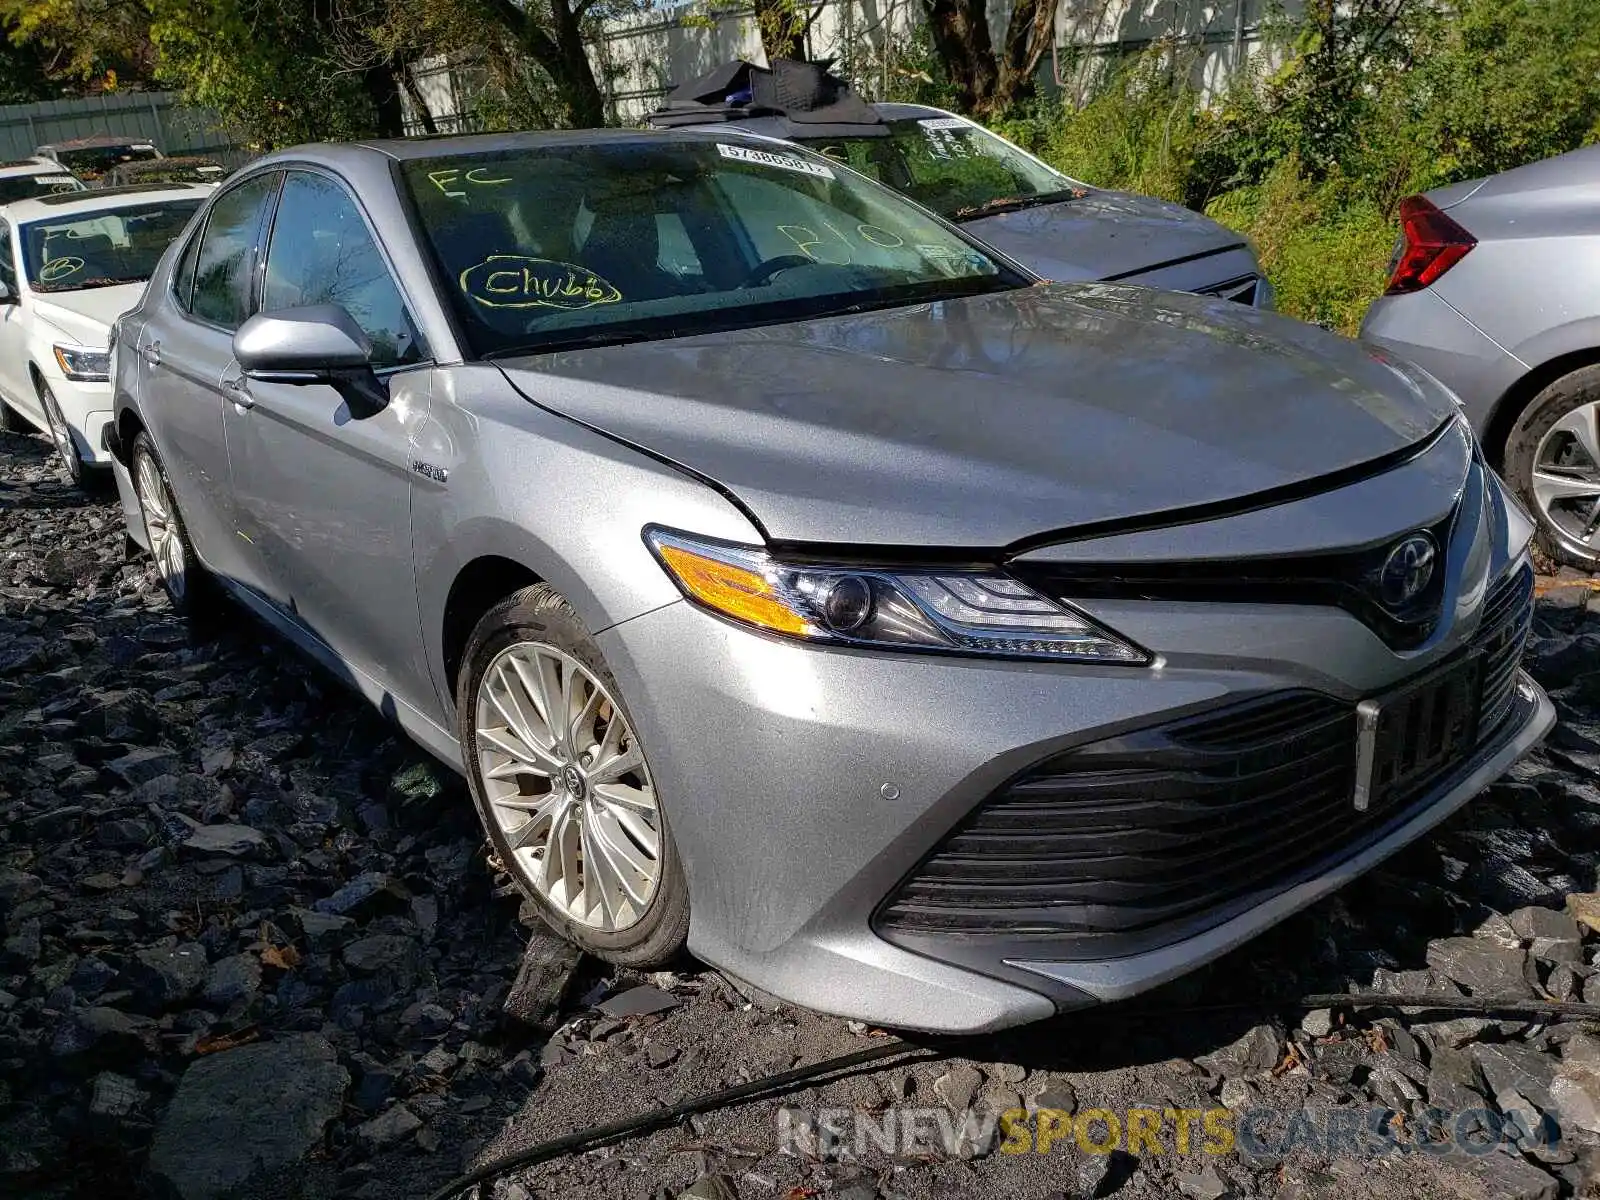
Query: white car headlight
column 83, row 365
column 963, row 612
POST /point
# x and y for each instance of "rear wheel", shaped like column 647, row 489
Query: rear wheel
column 1552, row 461
column 562, row 784
column 185, row 580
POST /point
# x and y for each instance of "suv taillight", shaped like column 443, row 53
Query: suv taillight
column 1430, row 244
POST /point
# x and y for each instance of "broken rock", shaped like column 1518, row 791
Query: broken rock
column 1482, row 967
column 243, row 1111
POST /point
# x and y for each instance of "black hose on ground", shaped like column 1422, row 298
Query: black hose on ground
column 658, row 1118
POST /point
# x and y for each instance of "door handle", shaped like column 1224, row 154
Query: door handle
column 152, row 354
column 237, row 392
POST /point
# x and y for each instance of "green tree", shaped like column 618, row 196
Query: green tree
column 24, row 73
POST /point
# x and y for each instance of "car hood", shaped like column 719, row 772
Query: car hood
column 87, row 316
column 981, row 421
column 1102, row 235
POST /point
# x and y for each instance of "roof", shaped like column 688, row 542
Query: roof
column 790, row 100
column 31, row 166
column 342, row 155
column 68, row 203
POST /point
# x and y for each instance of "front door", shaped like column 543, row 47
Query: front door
column 15, row 387
column 324, row 499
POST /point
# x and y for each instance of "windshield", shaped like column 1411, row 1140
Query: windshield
column 28, row 187
column 577, row 244
column 958, row 169
column 90, row 162
column 98, row 249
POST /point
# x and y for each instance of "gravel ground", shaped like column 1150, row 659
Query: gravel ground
column 250, row 942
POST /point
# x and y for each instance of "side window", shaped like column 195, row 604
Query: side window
column 183, row 275
column 224, row 265
column 322, row 253
column 8, row 263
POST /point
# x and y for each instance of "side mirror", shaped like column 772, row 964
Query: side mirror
column 7, row 296
column 319, row 343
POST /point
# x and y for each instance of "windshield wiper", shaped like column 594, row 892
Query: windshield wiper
column 1003, row 204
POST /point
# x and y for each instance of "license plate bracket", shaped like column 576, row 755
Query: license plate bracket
column 1406, row 736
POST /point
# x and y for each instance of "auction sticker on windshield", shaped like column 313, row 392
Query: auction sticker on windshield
column 767, row 158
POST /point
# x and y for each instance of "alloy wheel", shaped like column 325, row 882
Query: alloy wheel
column 161, row 527
column 60, row 434
column 1566, row 478
column 567, row 786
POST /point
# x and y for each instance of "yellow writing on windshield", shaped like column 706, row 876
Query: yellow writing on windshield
column 515, row 281
column 58, row 269
column 447, row 180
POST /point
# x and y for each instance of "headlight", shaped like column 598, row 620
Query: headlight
column 970, row 612
column 82, row 365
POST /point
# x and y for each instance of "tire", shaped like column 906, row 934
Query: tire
column 61, row 436
column 188, row 585
column 634, row 918
column 10, row 422
column 1552, row 462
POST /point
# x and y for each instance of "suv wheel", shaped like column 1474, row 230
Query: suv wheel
column 1553, row 463
column 563, row 786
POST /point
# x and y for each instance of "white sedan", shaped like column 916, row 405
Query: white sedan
column 70, row 265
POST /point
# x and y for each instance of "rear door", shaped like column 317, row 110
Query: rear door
column 324, row 499
column 186, row 348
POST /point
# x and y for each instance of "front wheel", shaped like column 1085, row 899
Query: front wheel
column 1552, row 462
column 61, row 436
column 562, row 784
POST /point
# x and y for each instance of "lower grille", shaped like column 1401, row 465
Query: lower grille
column 1138, row 840
column 1507, row 615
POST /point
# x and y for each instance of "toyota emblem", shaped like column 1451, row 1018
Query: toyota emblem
column 1407, row 571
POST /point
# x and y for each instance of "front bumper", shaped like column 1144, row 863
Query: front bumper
column 804, row 785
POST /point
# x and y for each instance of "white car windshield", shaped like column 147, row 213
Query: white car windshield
column 36, row 184
column 82, row 250
column 580, row 243
column 958, row 169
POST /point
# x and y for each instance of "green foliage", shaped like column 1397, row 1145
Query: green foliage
column 1139, row 129
column 1311, row 156
column 23, row 72
column 1325, row 249
column 264, row 65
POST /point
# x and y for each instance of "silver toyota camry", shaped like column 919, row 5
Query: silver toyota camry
column 799, row 582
